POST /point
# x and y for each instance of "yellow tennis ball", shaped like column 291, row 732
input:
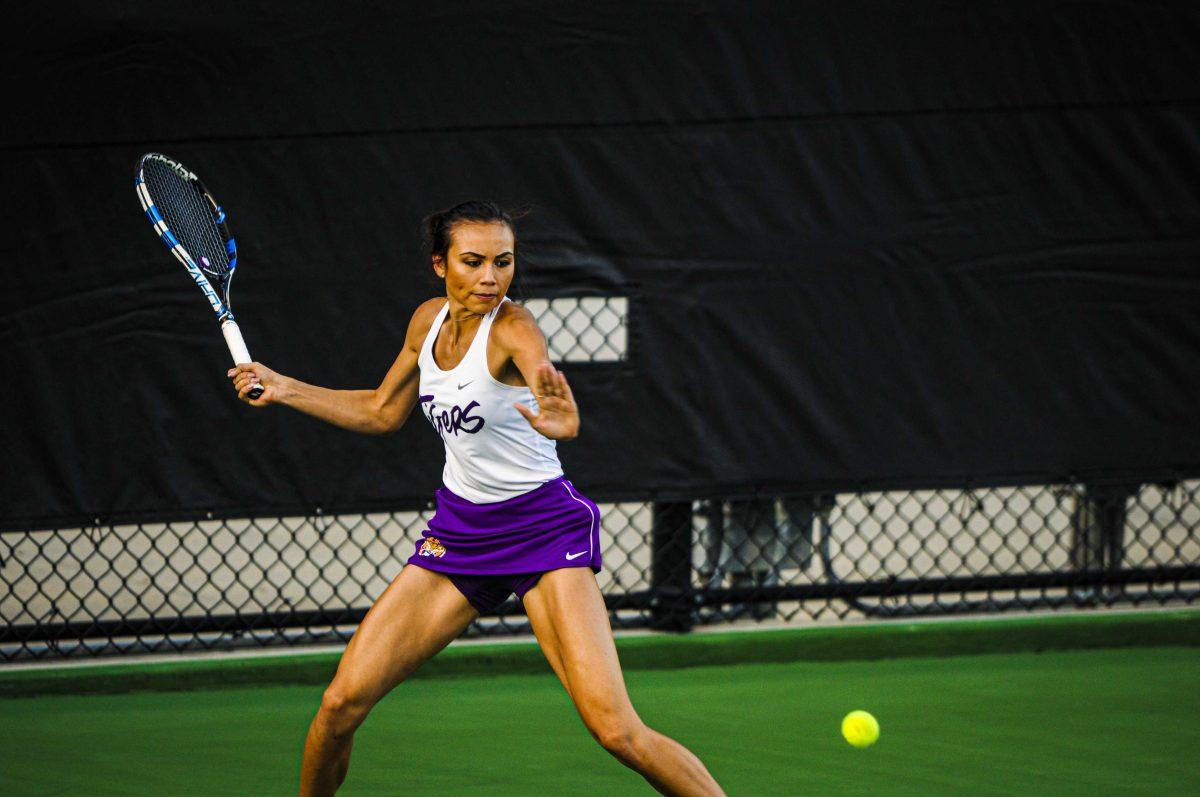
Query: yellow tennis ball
column 860, row 729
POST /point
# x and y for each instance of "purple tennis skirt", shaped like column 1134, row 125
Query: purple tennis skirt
column 547, row 528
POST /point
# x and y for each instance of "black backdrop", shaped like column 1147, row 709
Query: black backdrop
column 866, row 244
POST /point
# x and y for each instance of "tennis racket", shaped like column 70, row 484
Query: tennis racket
column 192, row 225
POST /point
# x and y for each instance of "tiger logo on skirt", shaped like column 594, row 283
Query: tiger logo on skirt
column 432, row 547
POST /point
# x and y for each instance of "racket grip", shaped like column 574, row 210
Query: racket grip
column 237, row 347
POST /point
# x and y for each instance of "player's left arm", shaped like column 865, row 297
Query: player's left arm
column 518, row 336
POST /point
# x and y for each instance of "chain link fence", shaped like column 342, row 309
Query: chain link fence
column 797, row 558
column 229, row 583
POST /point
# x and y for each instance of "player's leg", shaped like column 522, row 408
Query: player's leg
column 570, row 621
column 416, row 616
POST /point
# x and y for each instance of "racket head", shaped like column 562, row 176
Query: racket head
column 189, row 221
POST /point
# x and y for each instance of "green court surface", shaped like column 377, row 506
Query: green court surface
column 1085, row 722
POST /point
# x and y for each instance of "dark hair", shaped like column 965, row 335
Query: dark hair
column 438, row 227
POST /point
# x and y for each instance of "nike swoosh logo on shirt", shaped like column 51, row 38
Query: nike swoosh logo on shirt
column 464, row 384
column 575, row 555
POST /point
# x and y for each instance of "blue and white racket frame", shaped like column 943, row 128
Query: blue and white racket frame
column 219, row 303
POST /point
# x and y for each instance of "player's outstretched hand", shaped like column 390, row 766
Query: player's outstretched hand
column 557, row 416
column 247, row 375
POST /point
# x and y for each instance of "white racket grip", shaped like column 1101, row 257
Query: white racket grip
column 237, row 346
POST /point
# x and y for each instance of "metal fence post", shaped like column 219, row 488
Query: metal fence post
column 671, row 566
column 1098, row 526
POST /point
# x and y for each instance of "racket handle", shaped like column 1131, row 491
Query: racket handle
column 237, row 347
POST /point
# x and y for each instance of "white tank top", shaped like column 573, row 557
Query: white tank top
column 492, row 453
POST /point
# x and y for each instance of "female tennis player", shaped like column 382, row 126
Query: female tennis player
column 507, row 521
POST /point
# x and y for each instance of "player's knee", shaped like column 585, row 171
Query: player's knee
column 342, row 711
column 622, row 738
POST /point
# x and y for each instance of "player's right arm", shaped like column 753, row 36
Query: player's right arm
column 378, row 411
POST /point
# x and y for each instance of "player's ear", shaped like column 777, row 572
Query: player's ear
column 439, row 266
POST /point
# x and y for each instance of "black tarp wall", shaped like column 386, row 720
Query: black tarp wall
column 867, row 244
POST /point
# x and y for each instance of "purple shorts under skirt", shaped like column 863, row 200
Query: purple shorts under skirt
column 501, row 548
column 485, row 593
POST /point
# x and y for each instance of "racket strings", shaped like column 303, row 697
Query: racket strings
column 190, row 217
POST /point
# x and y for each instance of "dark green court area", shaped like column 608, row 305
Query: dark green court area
column 1122, row 720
